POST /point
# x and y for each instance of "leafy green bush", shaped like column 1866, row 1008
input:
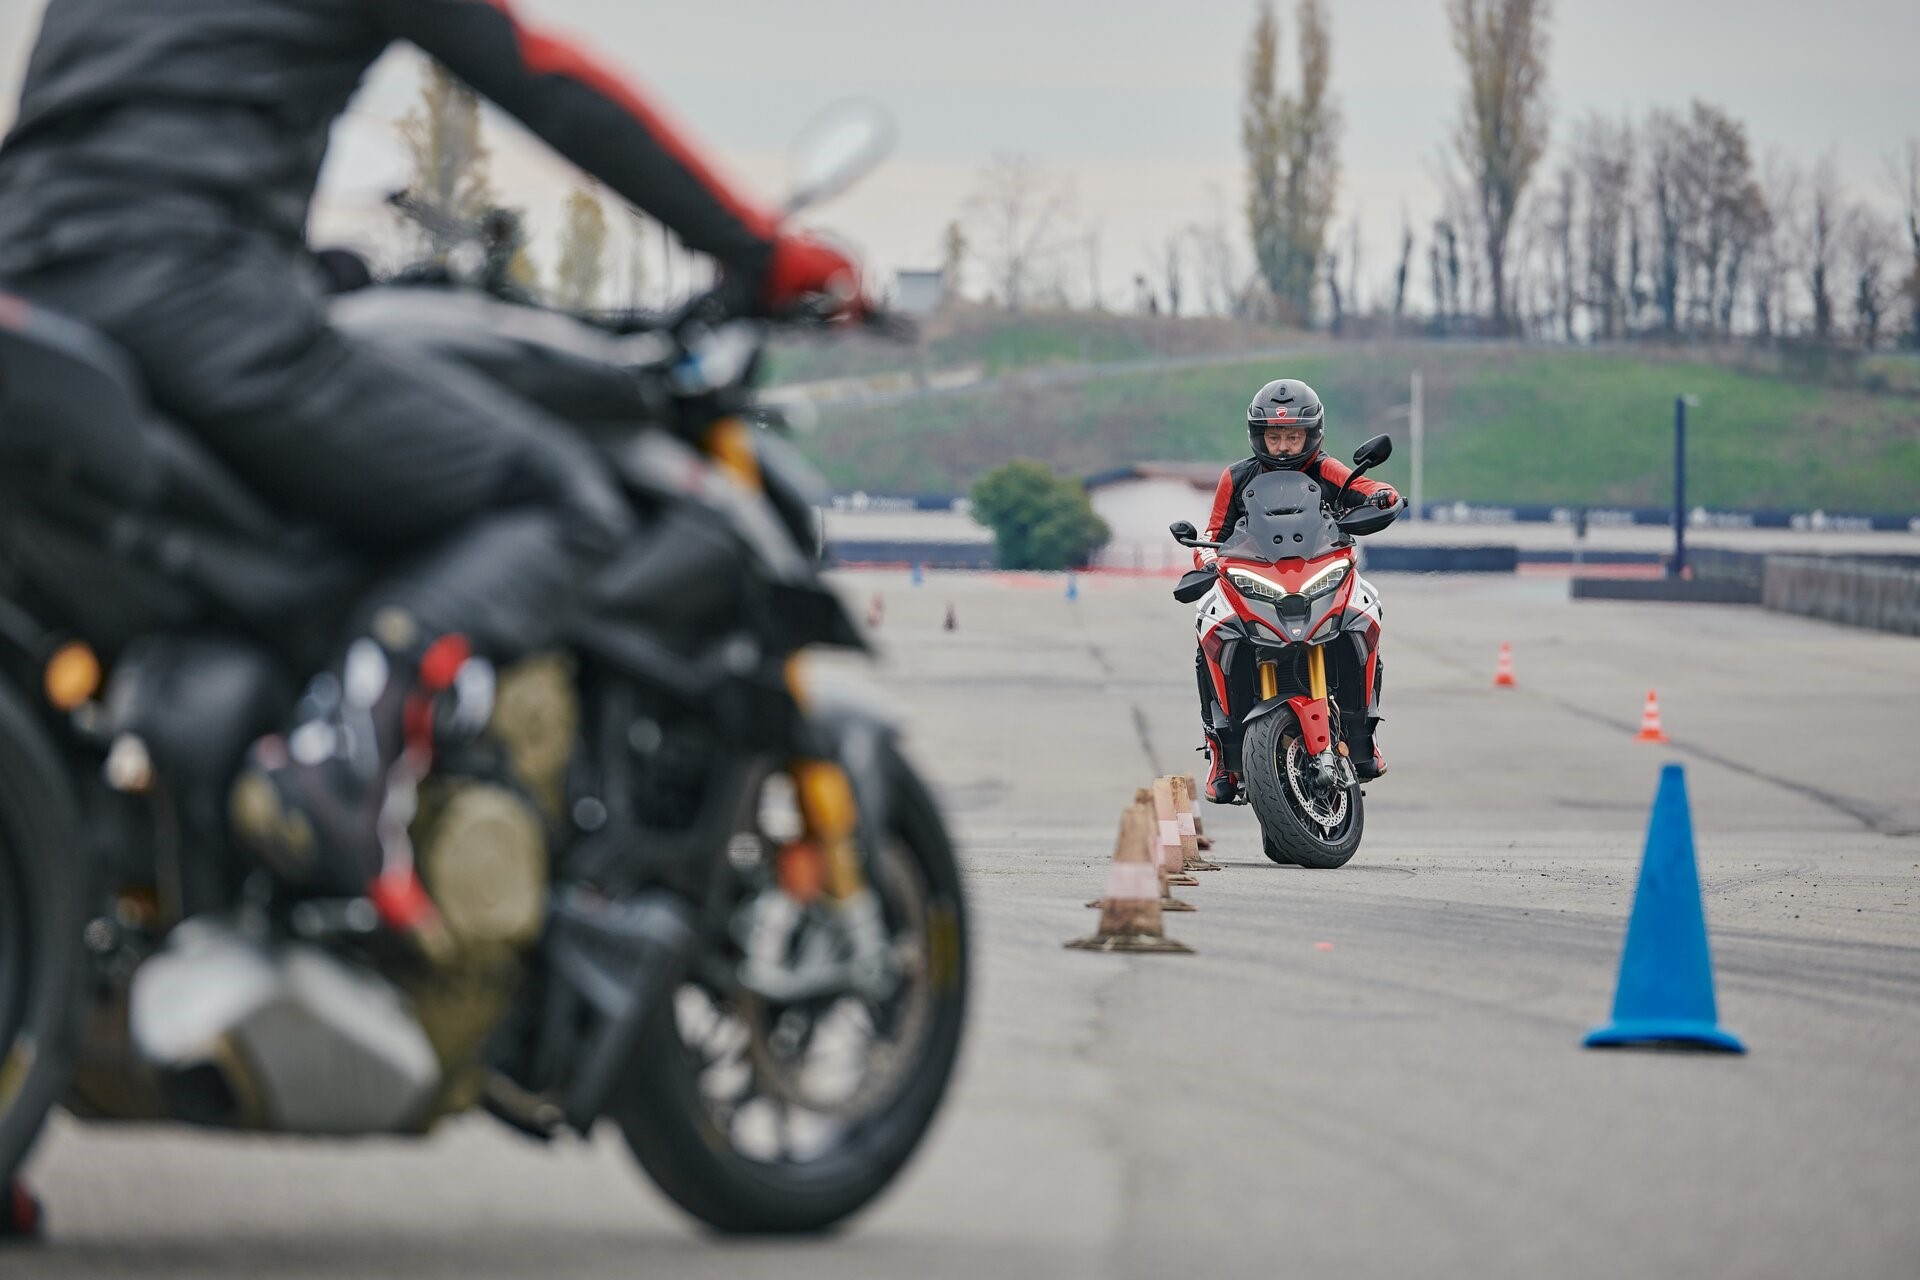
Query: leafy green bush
column 1039, row 520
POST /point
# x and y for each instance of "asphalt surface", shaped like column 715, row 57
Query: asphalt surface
column 1412, row 1100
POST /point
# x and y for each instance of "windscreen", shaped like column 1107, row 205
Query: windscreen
column 1285, row 519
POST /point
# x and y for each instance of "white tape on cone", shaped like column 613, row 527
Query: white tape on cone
column 1134, row 880
column 1186, row 823
column 1169, row 832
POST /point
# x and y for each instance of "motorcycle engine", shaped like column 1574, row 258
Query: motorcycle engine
column 481, row 846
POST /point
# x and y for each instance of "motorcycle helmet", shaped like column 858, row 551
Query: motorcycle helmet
column 1286, row 402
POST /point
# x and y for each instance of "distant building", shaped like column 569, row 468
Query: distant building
column 1140, row 501
column 919, row 293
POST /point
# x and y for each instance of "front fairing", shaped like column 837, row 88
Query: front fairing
column 1291, row 601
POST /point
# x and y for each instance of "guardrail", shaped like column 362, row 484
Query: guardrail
column 1858, row 593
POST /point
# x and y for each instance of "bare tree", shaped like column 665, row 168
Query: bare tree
column 1772, row 253
column 1437, row 277
column 1169, row 262
column 1723, row 213
column 1017, row 208
column 448, row 158
column 1503, row 126
column 953, row 258
column 1568, row 287
column 1904, row 177
column 581, row 268
column 1667, row 196
column 1337, row 317
column 1260, row 128
column 1096, row 294
column 1400, row 272
column 1819, row 233
column 1291, row 141
column 1869, row 246
column 1218, row 266
column 1603, row 154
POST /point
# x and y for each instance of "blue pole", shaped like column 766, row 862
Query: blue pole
column 1679, row 565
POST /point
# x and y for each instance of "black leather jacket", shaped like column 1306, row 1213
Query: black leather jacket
column 149, row 121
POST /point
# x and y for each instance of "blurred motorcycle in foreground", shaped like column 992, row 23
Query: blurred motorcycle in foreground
column 664, row 882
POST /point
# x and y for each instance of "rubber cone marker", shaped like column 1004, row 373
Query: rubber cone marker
column 918, row 577
column 1184, row 818
column 1665, row 995
column 1650, row 730
column 1503, row 673
column 1130, row 911
column 1073, row 587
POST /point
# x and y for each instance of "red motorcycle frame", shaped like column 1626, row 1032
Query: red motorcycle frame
column 1289, row 658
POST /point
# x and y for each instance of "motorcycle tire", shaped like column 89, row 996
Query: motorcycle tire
column 664, row 1120
column 1286, row 833
column 41, row 949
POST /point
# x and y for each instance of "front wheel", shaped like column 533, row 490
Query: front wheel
column 40, row 938
column 763, row 1116
column 1301, row 821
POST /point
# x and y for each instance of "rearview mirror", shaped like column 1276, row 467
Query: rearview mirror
column 1373, row 452
column 838, row 148
column 1183, row 532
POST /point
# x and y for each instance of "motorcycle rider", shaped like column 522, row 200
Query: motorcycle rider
column 157, row 185
column 1286, row 423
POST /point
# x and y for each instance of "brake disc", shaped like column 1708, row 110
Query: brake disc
column 1327, row 813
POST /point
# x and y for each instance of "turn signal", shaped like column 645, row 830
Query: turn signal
column 72, row 675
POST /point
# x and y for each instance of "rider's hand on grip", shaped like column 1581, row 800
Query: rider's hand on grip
column 809, row 277
column 1384, row 499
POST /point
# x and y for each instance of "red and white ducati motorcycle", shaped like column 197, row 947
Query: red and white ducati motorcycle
column 1290, row 664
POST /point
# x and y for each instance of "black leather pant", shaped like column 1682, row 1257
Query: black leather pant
column 490, row 510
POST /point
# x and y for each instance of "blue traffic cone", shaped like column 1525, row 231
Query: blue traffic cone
column 1665, row 994
column 1073, row 587
column 918, row 577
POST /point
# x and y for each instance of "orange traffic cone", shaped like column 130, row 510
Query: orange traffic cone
column 876, row 611
column 1503, row 674
column 1650, row 730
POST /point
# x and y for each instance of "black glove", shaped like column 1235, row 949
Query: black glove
column 1384, row 499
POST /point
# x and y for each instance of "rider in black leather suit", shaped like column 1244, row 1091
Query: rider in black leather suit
column 156, row 185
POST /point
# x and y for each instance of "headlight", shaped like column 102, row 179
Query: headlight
column 1252, row 584
column 1326, row 581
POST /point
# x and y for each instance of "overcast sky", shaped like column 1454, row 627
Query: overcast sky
column 1136, row 103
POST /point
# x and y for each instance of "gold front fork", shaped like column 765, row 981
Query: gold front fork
column 1316, row 675
column 831, row 818
column 829, row 814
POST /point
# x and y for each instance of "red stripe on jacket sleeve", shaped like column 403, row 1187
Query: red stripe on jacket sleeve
column 546, row 54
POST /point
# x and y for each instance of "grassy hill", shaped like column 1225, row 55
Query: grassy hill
column 1504, row 423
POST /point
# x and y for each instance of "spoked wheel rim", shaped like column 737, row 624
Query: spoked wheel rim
column 1325, row 811
column 790, row 1085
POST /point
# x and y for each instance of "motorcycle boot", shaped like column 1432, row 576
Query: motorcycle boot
column 1361, row 734
column 1222, row 787
column 21, row 1218
column 321, row 804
